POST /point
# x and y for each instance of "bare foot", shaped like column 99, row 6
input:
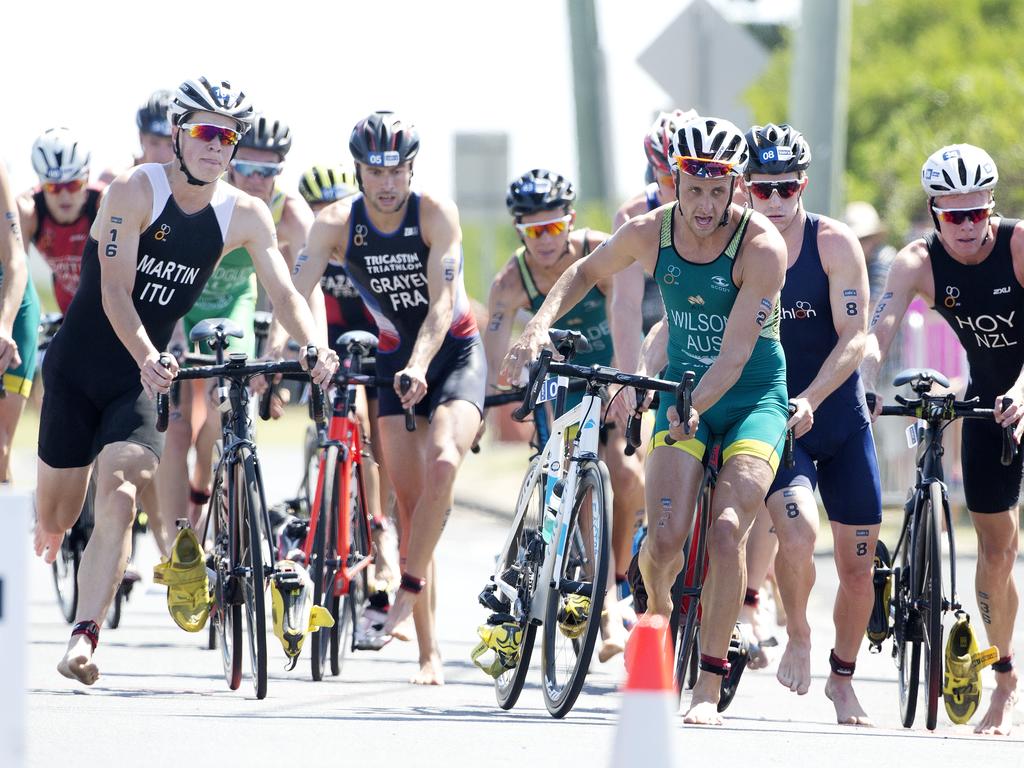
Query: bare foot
column 795, row 667
column 77, row 663
column 400, row 615
column 998, row 721
column 613, row 635
column 431, row 671
column 702, row 713
column 757, row 656
column 47, row 544
column 405, row 631
column 839, row 691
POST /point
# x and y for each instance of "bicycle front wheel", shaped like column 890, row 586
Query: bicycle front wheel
column 349, row 610
column 257, row 552
column 569, row 633
column 322, row 564
column 520, row 566
column 907, row 628
column 932, row 605
column 227, row 613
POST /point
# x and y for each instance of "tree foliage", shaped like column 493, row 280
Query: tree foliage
column 923, row 74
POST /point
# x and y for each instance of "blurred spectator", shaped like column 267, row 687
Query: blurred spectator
column 863, row 219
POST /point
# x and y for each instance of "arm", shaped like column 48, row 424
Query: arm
column 763, row 271
column 505, row 298
column 625, row 313
column 848, row 296
column 901, row 286
column 440, row 224
column 15, row 273
column 118, row 225
column 1012, row 414
column 293, row 231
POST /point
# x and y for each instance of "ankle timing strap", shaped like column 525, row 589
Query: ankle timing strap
column 91, row 631
column 841, row 668
column 198, row 497
column 1004, row 665
column 714, row 665
column 412, row 584
column 752, row 598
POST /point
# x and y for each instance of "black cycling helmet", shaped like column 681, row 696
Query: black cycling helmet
column 384, row 139
column 153, row 117
column 539, row 190
column 268, row 134
column 777, row 149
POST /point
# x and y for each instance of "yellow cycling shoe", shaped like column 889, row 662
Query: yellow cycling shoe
column 572, row 616
column 188, row 586
column 505, row 640
column 961, row 691
column 294, row 614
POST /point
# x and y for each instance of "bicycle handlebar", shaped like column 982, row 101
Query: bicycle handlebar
column 684, row 403
column 931, row 408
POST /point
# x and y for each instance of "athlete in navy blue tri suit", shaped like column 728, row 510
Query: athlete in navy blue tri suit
column 970, row 268
column 160, row 232
column 824, row 326
column 403, row 251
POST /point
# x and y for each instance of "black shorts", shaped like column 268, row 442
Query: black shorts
column 988, row 485
column 457, row 372
column 75, row 423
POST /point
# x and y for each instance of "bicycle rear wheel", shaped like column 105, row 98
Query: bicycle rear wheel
column 932, row 606
column 693, row 580
column 227, row 614
column 323, row 560
column 255, row 553
column 520, row 566
column 566, row 660
column 350, row 607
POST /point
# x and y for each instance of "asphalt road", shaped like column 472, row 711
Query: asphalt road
column 162, row 700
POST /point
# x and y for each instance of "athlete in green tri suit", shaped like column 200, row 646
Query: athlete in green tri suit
column 710, row 246
column 19, row 324
column 542, row 204
column 231, row 292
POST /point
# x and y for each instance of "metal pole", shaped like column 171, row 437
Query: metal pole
column 819, row 95
column 589, row 87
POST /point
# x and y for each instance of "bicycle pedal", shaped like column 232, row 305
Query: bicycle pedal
column 490, row 600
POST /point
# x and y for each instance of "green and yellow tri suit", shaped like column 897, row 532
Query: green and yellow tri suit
column 232, row 290
column 751, row 417
column 25, row 333
column 589, row 317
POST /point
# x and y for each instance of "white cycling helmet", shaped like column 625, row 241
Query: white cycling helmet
column 957, row 170
column 57, row 156
column 712, row 138
column 217, row 96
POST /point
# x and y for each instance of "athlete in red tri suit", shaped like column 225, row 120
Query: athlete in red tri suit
column 56, row 215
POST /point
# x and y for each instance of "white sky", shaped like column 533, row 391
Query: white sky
column 447, row 65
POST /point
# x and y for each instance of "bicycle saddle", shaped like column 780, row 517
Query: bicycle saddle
column 211, row 327
column 920, row 379
column 363, row 341
column 569, row 343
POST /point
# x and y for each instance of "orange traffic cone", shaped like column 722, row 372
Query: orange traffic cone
column 644, row 735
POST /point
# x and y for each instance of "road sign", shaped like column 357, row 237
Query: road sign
column 706, row 62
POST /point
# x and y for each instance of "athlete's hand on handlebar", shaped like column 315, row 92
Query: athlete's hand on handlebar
column 802, row 419
column 525, row 350
column 874, row 402
column 417, row 390
column 678, row 431
column 1011, row 414
column 157, row 373
column 9, row 357
column 325, row 368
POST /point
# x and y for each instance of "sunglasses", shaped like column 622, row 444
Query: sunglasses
column 56, row 187
column 228, row 136
column 266, row 170
column 703, row 168
column 536, row 231
column 960, row 215
column 762, row 190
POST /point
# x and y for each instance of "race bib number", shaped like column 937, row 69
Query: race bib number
column 548, row 390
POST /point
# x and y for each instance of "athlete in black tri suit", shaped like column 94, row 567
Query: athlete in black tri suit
column 159, row 235
column 970, row 268
column 403, row 251
column 824, row 325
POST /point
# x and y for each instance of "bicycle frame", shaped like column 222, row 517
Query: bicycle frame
column 575, row 436
column 343, row 432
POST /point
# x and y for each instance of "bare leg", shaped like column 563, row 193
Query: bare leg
column 60, row 494
column 794, row 512
column 740, row 491
column 997, row 601
column 172, row 476
column 854, row 551
column 761, row 545
column 11, row 408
